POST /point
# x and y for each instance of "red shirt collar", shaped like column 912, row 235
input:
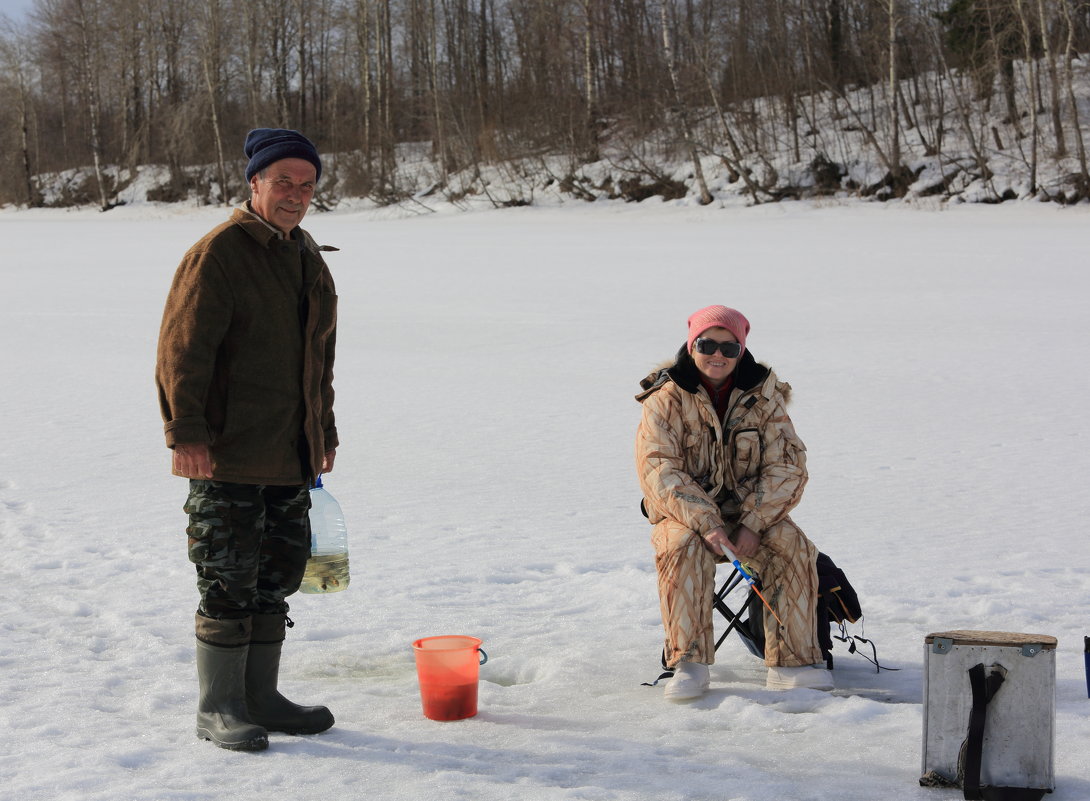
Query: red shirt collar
column 720, row 395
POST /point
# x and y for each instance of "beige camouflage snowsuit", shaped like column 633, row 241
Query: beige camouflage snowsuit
column 698, row 473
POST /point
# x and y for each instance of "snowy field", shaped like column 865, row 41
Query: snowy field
column 486, row 369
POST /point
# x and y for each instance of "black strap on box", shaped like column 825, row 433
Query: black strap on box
column 984, row 689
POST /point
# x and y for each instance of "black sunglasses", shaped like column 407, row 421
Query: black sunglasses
column 709, row 346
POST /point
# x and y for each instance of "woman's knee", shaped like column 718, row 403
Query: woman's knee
column 787, row 541
column 678, row 547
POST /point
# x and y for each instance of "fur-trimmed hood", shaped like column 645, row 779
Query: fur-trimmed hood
column 682, row 371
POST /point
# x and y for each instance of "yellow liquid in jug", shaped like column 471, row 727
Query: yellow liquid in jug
column 325, row 573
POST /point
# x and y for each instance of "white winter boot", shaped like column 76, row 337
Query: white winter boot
column 690, row 681
column 814, row 677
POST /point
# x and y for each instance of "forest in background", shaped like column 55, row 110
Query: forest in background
column 616, row 98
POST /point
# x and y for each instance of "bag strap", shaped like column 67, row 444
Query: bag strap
column 984, row 689
column 668, row 673
column 851, row 640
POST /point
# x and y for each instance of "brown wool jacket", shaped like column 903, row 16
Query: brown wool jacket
column 246, row 347
column 703, row 473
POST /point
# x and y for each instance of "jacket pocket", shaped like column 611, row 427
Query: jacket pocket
column 210, row 529
column 746, row 451
column 698, row 456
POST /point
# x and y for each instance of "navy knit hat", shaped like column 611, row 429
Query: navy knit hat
column 266, row 145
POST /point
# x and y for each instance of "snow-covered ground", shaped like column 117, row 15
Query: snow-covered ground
column 486, row 368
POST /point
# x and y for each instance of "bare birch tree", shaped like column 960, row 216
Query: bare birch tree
column 894, row 90
column 1072, row 100
column 681, row 111
column 212, row 47
column 17, row 65
column 88, row 38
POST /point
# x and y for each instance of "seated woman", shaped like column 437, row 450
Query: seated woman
column 720, row 467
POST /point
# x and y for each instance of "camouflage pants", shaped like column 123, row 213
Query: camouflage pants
column 250, row 545
column 786, row 563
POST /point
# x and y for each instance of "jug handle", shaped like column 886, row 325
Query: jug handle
column 484, row 656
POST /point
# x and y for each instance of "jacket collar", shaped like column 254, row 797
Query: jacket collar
column 260, row 230
column 253, row 224
column 683, row 372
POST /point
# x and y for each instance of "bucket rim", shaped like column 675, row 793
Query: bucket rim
column 466, row 642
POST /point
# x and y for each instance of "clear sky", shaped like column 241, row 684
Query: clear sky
column 16, row 10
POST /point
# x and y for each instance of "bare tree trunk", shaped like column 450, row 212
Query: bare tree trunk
column 590, row 94
column 386, row 84
column 15, row 62
column 211, row 41
column 363, row 45
column 894, row 116
column 439, row 144
column 24, row 145
column 89, row 81
column 1053, row 83
column 482, row 95
column 1035, row 101
column 302, row 56
column 278, row 47
column 1069, row 80
column 834, row 31
column 135, row 142
column 1004, row 63
column 683, row 116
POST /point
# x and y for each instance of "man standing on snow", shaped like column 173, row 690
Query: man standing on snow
column 245, row 372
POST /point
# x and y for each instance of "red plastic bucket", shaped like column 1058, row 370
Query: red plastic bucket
column 448, row 668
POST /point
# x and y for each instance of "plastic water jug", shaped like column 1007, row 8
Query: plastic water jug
column 327, row 567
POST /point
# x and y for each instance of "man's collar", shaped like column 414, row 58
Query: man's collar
column 245, row 206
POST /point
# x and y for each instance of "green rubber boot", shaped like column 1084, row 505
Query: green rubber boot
column 221, row 709
column 264, row 702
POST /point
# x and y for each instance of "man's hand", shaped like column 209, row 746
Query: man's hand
column 327, row 461
column 193, row 460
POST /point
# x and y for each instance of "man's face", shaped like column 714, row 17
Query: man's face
column 281, row 192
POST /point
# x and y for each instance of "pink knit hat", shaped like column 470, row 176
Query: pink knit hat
column 718, row 317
